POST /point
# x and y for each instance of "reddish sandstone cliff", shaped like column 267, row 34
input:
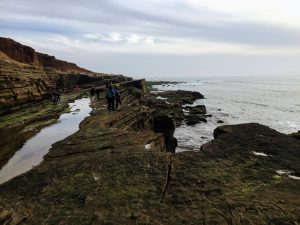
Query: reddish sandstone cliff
column 26, row 54
column 26, row 75
column 19, row 52
column 52, row 62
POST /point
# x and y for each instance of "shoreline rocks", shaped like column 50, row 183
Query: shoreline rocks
column 117, row 170
column 195, row 114
column 296, row 135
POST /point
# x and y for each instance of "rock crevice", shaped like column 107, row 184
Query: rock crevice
column 168, row 180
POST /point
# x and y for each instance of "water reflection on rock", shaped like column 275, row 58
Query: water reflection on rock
column 33, row 151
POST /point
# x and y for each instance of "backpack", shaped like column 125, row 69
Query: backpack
column 117, row 93
column 110, row 93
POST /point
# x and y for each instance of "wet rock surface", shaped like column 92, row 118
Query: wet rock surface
column 27, row 120
column 195, row 114
column 296, row 135
column 193, row 119
column 198, row 109
column 116, row 170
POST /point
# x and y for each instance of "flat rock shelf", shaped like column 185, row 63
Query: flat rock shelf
column 120, row 168
column 33, row 151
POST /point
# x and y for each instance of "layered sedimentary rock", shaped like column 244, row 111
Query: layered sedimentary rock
column 27, row 55
column 19, row 52
column 296, row 135
column 26, row 75
column 21, row 82
column 115, row 170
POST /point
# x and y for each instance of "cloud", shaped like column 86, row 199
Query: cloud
column 189, row 28
column 111, row 37
column 115, row 37
column 180, row 19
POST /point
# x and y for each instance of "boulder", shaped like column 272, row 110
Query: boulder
column 187, row 101
column 242, row 139
column 193, row 119
column 198, row 109
column 166, row 125
column 296, row 135
column 181, row 97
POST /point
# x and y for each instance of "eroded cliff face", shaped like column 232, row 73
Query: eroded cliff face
column 27, row 55
column 19, row 52
column 26, row 75
column 21, row 82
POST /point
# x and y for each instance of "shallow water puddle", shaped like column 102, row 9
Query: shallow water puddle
column 161, row 98
column 259, row 154
column 33, row 151
column 294, row 177
column 288, row 173
column 283, row 172
column 149, row 145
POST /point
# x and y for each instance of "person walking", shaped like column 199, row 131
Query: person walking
column 118, row 96
column 108, row 83
column 92, row 93
column 110, row 97
column 97, row 91
column 55, row 97
column 58, row 93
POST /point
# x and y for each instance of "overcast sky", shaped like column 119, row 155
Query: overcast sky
column 156, row 38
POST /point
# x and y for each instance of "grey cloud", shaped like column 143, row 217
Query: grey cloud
column 158, row 66
column 113, row 15
column 243, row 33
column 233, row 32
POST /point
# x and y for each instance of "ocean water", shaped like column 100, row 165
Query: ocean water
column 272, row 102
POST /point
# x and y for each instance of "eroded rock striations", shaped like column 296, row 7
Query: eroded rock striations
column 116, row 170
column 26, row 75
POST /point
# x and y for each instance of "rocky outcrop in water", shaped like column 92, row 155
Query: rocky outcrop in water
column 26, row 75
column 116, row 170
column 296, row 135
column 195, row 114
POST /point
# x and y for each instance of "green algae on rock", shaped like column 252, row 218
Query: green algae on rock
column 104, row 174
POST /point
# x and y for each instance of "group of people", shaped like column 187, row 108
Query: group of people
column 112, row 95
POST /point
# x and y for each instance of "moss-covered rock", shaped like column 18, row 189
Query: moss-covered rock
column 113, row 171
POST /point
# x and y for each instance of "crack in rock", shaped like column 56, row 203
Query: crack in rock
column 167, row 182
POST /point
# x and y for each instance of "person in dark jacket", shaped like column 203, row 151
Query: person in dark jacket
column 55, row 97
column 59, row 91
column 108, row 83
column 92, row 93
column 110, row 97
column 118, row 96
column 97, row 91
